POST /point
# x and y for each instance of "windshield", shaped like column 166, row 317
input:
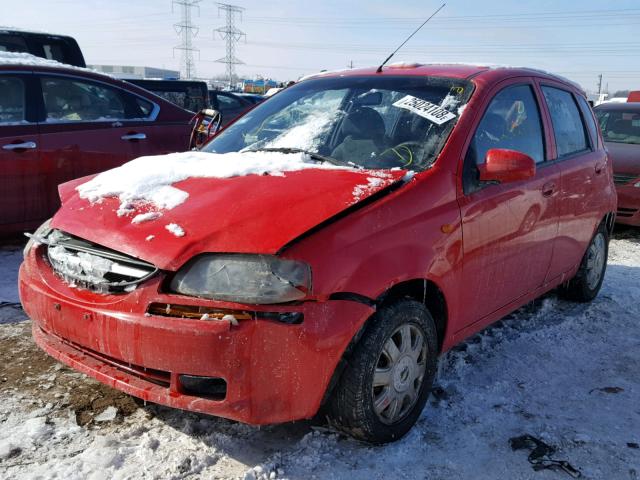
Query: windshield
column 620, row 126
column 370, row 122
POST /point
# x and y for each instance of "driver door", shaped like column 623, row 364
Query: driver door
column 508, row 229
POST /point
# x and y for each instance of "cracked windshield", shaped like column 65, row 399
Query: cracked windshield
column 364, row 122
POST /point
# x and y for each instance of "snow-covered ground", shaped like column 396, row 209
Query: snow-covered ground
column 567, row 374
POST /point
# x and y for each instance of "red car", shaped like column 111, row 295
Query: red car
column 324, row 249
column 620, row 124
column 60, row 123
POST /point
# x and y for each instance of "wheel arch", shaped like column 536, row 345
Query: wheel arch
column 421, row 290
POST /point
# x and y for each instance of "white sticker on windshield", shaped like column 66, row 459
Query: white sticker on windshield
column 430, row 111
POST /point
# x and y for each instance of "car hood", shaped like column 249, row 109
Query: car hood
column 244, row 214
column 625, row 157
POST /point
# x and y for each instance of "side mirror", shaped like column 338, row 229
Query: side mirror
column 505, row 166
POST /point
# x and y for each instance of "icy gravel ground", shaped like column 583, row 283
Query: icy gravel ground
column 568, row 374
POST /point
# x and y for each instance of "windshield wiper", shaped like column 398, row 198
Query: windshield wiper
column 313, row 155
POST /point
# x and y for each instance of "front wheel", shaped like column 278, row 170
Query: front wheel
column 382, row 391
column 586, row 284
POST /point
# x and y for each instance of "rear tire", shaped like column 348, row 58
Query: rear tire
column 585, row 285
column 387, row 381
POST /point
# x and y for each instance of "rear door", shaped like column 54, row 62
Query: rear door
column 23, row 181
column 508, row 229
column 583, row 166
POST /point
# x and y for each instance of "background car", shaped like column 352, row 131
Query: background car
column 60, row 123
column 620, row 125
column 228, row 104
column 191, row 95
column 60, row 48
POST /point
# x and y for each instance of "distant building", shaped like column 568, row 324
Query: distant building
column 260, row 85
column 126, row 71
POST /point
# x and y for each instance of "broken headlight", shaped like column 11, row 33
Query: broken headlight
column 255, row 279
column 35, row 238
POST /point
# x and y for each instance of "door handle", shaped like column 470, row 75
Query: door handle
column 20, row 146
column 600, row 166
column 134, row 136
column 548, row 189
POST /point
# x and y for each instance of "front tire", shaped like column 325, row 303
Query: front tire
column 585, row 285
column 386, row 383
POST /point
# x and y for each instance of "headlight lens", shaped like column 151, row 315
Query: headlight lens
column 637, row 184
column 255, row 279
column 42, row 231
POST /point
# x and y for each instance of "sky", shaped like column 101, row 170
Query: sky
column 579, row 39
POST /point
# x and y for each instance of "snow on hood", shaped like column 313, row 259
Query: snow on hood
column 247, row 213
column 149, row 180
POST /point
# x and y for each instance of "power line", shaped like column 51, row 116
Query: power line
column 231, row 34
column 187, row 31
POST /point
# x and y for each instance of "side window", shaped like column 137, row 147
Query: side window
column 587, row 114
column 12, row 43
column 570, row 133
column 54, row 51
column 72, row 100
column 227, row 103
column 512, row 121
column 12, row 100
column 145, row 107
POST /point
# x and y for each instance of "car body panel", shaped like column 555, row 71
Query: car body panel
column 266, row 213
column 258, row 392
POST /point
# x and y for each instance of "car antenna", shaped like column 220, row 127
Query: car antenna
column 409, row 38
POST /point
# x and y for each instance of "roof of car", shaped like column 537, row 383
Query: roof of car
column 451, row 70
column 21, row 59
column 635, row 106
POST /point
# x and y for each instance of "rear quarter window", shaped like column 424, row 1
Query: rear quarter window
column 569, row 131
column 587, row 113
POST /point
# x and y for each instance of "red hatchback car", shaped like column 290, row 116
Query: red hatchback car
column 324, row 249
column 58, row 123
column 620, row 124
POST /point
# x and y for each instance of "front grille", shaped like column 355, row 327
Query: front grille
column 626, row 212
column 624, row 178
column 87, row 265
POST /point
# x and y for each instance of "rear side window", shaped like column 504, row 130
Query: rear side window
column 12, row 100
column 75, row 100
column 12, row 43
column 512, row 121
column 54, row 51
column 567, row 123
column 228, row 103
column 591, row 123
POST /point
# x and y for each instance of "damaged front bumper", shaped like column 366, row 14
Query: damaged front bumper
column 258, row 370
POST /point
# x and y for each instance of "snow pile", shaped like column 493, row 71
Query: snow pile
column 306, row 135
column 28, row 60
column 146, row 217
column 372, row 184
column 150, row 179
column 176, row 229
